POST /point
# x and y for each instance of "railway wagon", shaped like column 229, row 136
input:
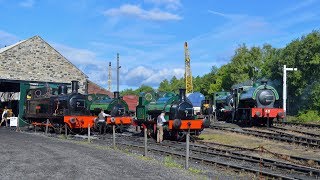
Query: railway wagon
column 60, row 109
column 178, row 113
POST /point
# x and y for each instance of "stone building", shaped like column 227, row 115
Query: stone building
column 35, row 60
column 31, row 63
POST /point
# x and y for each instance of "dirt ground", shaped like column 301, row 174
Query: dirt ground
column 36, row 156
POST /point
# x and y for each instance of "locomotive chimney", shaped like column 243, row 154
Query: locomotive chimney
column 140, row 100
column 75, row 86
column 264, row 81
column 116, row 95
column 182, row 93
column 62, row 89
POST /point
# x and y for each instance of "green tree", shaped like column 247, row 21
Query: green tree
column 144, row 88
column 164, row 86
column 128, row 92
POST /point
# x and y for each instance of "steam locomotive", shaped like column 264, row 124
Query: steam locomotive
column 118, row 110
column 178, row 113
column 60, row 109
column 256, row 105
column 223, row 101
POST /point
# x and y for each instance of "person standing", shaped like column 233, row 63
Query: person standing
column 100, row 122
column 4, row 116
column 160, row 121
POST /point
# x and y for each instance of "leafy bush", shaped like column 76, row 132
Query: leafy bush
column 311, row 116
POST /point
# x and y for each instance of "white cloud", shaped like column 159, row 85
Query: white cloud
column 7, row 39
column 169, row 4
column 132, row 73
column 228, row 16
column 138, row 12
column 27, row 3
column 151, row 76
column 76, row 56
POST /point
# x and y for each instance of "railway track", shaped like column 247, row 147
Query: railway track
column 226, row 158
column 314, row 137
column 290, row 158
column 301, row 131
column 283, row 137
column 297, row 124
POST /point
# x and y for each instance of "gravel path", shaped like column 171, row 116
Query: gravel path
column 35, row 156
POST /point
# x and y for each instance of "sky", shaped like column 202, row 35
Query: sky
column 149, row 35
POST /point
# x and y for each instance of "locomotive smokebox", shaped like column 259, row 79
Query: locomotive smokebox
column 182, row 93
column 62, row 89
column 116, row 95
column 75, row 86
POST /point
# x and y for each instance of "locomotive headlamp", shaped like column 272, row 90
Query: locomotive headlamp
column 258, row 114
column 112, row 119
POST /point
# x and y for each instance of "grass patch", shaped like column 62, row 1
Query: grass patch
column 195, row 171
column 222, row 138
column 169, row 162
column 60, row 136
column 145, row 158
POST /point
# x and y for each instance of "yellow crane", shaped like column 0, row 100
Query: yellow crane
column 187, row 73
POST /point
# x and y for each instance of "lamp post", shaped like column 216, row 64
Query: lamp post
column 284, row 94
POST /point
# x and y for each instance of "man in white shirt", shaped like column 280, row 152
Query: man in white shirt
column 160, row 121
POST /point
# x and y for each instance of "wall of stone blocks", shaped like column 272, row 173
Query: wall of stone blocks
column 35, row 60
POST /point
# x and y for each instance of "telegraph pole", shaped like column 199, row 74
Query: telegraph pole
column 118, row 69
column 109, row 77
column 284, row 90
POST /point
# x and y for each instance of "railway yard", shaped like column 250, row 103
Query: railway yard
column 223, row 151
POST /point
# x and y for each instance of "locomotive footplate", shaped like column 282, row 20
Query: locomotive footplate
column 79, row 121
column 126, row 120
column 196, row 124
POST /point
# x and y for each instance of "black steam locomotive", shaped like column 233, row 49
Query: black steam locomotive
column 60, row 109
